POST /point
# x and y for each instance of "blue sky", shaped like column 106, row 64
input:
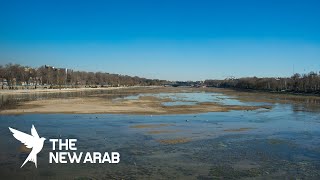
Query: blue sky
column 174, row 40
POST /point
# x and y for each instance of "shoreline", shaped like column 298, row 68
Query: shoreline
column 275, row 92
column 208, row 89
column 114, row 103
column 105, row 102
column 30, row 91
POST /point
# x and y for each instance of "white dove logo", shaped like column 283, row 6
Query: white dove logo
column 34, row 142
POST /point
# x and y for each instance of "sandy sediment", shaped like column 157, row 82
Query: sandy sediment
column 163, row 132
column 94, row 105
column 29, row 91
column 174, row 141
column 143, row 126
column 108, row 104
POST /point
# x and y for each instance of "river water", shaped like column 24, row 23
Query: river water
column 278, row 143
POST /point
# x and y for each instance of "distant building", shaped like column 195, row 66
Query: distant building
column 3, row 82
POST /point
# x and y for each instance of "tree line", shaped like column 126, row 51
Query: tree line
column 298, row 83
column 14, row 75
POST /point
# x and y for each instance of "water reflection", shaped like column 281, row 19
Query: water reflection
column 280, row 143
column 240, row 144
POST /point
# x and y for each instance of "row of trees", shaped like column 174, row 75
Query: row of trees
column 13, row 75
column 306, row 83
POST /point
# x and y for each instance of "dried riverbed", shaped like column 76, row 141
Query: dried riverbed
column 167, row 133
column 151, row 101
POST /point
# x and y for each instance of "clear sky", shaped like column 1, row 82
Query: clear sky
column 166, row 39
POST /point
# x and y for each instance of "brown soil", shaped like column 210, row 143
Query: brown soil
column 174, row 141
column 150, row 126
column 145, row 105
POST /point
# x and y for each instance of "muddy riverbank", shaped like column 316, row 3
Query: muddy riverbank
column 146, row 102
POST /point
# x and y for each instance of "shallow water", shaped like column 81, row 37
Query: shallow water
column 192, row 98
column 280, row 143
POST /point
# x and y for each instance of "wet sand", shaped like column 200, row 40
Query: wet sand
column 174, row 141
column 276, row 143
column 147, row 105
column 28, row 91
column 98, row 106
column 108, row 103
